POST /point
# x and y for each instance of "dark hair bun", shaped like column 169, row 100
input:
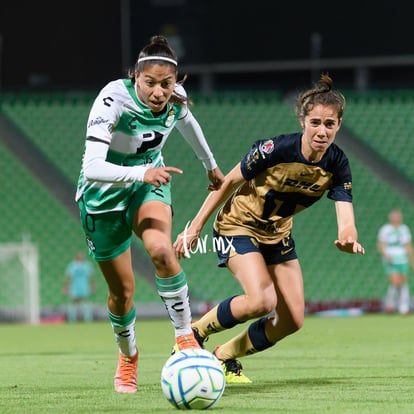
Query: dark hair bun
column 159, row 40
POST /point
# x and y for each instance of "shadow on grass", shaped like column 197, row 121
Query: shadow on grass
column 268, row 386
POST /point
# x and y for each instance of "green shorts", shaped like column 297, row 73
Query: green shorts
column 402, row 268
column 109, row 234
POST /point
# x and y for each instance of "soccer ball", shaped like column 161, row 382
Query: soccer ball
column 192, row 379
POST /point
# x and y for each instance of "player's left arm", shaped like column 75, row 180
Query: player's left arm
column 347, row 233
column 191, row 130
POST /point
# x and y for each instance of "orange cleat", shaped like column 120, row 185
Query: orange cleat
column 186, row 342
column 126, row 374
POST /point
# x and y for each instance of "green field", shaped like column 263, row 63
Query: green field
column 361, row 364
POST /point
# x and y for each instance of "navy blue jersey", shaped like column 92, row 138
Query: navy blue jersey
column 280, row 183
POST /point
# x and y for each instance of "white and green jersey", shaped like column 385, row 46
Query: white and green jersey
column 395, row 239
column 123, row 135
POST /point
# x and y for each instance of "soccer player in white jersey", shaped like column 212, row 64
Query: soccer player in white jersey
column 394, row 245
column 124, row 188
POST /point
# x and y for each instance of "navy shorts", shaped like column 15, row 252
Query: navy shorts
column 228, row 246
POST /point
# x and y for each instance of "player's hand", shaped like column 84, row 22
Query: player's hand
column 184, row 242
column 349, row 246
column 216, row 179
column 160, row 175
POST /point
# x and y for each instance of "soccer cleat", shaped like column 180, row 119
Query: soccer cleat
column 198, row 339
column 233, row 370
column 186, row 342
column 126, row 374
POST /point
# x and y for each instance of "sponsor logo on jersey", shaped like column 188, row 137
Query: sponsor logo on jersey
column 252, row 158
column 97, row 121
column 267, row 147
column 107, row 101
column 304, row 185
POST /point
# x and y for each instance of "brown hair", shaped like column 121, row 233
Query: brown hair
column 322, row 93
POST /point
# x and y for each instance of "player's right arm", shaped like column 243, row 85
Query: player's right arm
column 347, row 233
column 189, row 236
column 104, row 116
column 96, row 168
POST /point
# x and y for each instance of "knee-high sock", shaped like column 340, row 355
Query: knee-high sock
column 86, row 311
column 124, row 330
column 72, row 312
column 390, row 298
column 249, row 341
column 217, row 319
column 404, row 301
column 174, row 293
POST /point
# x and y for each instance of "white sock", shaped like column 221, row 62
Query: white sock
column 404, row 303
column 390, row 298
column 125, row 338
column 177, row 304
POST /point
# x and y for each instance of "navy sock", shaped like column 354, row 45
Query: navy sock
column 257, row 335
column 224, row 315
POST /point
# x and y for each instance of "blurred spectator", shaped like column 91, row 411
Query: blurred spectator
column 79, row 285
column 394, row 244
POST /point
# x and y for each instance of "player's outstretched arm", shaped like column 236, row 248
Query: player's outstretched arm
column 216, row 179
column 349, row 246
column 347, row 233
column 189, row 236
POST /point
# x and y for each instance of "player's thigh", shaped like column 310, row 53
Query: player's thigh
column 119, row 275
column 153, row 222
column 150, row 214
column 251, row 272
column 289, row 284
column 107, row 235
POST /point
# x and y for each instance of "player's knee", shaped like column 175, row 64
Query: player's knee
column 161, row 255
column 297, row 323
column 123, row 297
column 263, row 305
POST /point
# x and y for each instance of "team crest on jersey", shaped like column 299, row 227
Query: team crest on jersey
column 348, row 186
column 170, row 118
column 267, row 147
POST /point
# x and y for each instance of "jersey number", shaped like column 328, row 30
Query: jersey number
column 285, row 204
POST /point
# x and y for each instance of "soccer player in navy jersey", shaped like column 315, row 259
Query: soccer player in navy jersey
column 278, row 178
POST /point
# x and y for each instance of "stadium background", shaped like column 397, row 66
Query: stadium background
column 244, row 63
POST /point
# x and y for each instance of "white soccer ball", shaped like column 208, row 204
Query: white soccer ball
column 193, row 379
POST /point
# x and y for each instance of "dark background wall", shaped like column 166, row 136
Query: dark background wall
column 217, row 30
column 83, row 44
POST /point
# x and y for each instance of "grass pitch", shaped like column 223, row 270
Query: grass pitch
column 361, row 364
